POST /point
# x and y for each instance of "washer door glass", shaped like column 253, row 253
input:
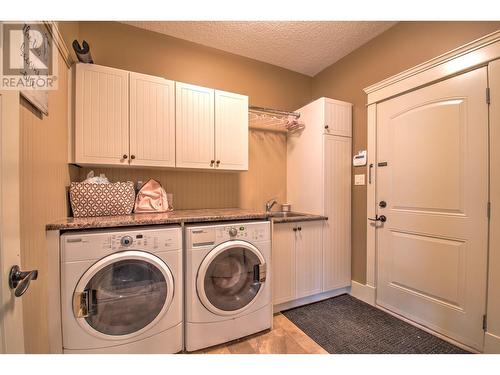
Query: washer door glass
column 125, row 296
column 231, row 280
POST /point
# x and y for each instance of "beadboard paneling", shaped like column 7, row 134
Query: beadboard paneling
column 265, row 178
column 44, row 175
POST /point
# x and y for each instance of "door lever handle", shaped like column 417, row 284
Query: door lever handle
column 20, row 280
column 380, row 218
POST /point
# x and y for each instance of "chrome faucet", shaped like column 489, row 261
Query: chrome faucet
column 270, row 203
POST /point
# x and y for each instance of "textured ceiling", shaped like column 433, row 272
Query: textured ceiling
column 305, row 47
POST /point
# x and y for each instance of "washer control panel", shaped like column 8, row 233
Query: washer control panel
column 242, row 232
column 97, row 243
column 126, row 241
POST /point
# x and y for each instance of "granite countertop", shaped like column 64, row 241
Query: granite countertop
column 173, row 217
column 299, row 216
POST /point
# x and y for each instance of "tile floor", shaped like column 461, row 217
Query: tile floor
column 284, row 338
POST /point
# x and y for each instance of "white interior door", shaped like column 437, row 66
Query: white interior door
column 152, row 121
column 432, row 250
column 11, row 313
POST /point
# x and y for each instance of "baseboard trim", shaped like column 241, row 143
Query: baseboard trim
column 310, row 299
column 491, row 343
column 363, row 292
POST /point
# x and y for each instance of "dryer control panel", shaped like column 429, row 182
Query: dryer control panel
column 212, row 235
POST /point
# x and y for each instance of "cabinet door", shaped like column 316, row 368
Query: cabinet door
column 195, row 135
column 101, row 115
column 337, row 231
column 283, row 259
column 231, row 131
column 152, row 121
column 338, row 118
column 309, row 251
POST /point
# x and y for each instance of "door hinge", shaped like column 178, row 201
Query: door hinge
column 485, row 322
column 487, row 95
column 488, row 210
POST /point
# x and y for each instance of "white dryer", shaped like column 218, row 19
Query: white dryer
column 121, row 290
column 228, row 291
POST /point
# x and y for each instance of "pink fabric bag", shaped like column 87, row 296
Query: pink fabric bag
column 151, row 198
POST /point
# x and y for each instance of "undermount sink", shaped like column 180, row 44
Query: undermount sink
column 285, row 214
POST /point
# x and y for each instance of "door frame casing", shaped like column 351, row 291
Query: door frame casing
column 11, row 330
column 473, row 55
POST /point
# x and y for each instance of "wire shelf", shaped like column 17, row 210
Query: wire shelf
column 275, row 120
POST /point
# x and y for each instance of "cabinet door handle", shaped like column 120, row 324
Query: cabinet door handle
column 217, row 162
column 326, row 127
column 125, row 156
column 132, row 156
column 299, row 228
column 370, row 167
column 295, row 229
column 212, row 163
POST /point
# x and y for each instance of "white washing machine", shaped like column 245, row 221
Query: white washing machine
column 121, row 290
column 228, row 291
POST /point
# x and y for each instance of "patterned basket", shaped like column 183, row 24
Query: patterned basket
column 101, row 199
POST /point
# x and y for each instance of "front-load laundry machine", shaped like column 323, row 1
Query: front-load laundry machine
column 228, row 291
column 121, row 290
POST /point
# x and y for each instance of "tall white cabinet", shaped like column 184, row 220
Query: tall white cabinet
column 319, row 181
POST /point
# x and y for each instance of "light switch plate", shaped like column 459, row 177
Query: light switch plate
column 359, row 179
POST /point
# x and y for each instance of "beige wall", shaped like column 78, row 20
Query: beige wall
column 401, row 47
column 44, row 175
column 126, row 47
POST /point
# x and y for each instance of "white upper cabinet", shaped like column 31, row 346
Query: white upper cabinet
column 101, row 115
column 211, row 128
column 152, row 121
column 338, row 118
column 127, row 118
column 195, row 126
column 231, row 131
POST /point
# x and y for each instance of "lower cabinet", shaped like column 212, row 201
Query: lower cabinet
column 297, row 260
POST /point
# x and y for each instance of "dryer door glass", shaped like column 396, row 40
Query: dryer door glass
column 231, row 281
column 125, row 296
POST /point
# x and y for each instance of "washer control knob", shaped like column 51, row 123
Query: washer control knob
column 126, row 241
column 233, row 232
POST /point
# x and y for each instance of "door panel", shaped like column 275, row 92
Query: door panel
column 283, row 263
column 432, row 250
column 152, row 121
column 231, row 131
column 337, row 231
column 194, row 126
column 494, row 259
column 101, row 115
column 309, row 260
column 338, row 118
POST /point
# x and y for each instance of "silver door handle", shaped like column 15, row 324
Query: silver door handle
column 380, row 218
column 20, row 280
